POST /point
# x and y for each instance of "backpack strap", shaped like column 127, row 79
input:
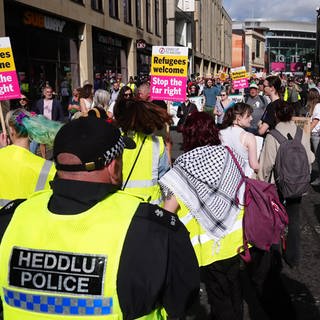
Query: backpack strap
column 298, row 135
column 262, row 99
column 235, row 161
column 277, row 135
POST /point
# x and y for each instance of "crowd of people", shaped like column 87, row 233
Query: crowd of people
column 111, row 225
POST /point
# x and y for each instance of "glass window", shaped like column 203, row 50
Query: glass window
column 127, row 11
column 97, row 5
column 78, row 1
column 156, row 18
column 113, row 9
column 257, row 48
column 138, row 14
column 148, row 15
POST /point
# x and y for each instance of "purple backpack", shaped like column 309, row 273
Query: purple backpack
column 265, row 218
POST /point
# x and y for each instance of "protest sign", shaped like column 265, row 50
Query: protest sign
column 240, row 78
column 169, row 69
column 9, row 85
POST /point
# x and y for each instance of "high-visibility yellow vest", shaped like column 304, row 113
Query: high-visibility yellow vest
column 286, row 95
column 206, row 249
column 22, row 173
column 66, row 266
column 143, row 180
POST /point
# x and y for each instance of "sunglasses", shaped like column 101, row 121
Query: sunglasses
column 23, row 99
column 223, row 95
column 128, row 95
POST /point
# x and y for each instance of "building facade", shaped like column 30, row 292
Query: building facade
column 74, row 39
column 289, row 45
column 248, row 47
column 212, row 39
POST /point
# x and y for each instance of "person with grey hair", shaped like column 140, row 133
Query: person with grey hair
column 101, row 99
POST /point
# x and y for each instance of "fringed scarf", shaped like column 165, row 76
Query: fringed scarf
column 206, row 180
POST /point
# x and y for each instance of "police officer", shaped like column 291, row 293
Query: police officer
column 87, row 249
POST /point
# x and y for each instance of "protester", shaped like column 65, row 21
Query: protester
column 258, row 103
column 51, row 109
column 22, row 172
column 184, row 110
column 222, row 105
column 149, row 161
column 23, row 102
column 74, row 103
column 313, row 104
column 86, row 98
column 201, row 187
column 233, row 134
column 101, row 99
column 272, row 87
column 210, row 93
column 97, row 250
column 285, row 125
column 292, row 96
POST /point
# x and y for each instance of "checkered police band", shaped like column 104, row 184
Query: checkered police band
column 114, row 152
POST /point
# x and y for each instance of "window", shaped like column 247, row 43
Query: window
column 113, row 9
column 157, row 17
column 148, row 15
column 97, row 5
column 127, row 11
column 78, row 1
column 257, row 48
column 138, row 14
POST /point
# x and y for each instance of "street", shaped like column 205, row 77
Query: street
column 294, row 293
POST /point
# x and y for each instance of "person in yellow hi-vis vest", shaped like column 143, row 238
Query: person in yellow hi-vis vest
column 202, row 188
column 86, row 250
column 149, row 161
column 22, row 172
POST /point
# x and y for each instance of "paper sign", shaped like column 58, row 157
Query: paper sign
column 169, row 68
column 241, row 83
column 9, row 85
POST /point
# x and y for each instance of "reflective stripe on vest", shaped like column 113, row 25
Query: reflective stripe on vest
column 155, row 163
column 4, row 202
column 203, row 238
column 43, row 176
column 51, row 304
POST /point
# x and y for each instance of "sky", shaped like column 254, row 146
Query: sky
column 299, row 10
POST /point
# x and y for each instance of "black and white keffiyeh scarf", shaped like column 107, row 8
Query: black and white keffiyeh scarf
column 206, row 179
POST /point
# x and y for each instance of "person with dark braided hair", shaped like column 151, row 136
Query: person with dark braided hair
column 144, row 165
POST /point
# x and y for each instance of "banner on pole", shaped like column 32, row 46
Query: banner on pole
column 9, row 85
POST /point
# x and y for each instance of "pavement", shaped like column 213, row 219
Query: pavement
column 294, row 293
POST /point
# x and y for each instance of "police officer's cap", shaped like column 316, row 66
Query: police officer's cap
column 94, row 141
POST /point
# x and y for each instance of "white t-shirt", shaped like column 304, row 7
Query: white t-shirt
column 316, row 115
column 231, row 137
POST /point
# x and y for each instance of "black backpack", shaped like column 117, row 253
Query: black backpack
column 292, row 171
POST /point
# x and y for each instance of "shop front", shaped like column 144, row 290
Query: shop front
column 110, row 52
column 45, row 49
column 144, row 54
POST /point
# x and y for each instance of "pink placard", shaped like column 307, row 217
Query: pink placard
column 9, row 86
column 168, row 88
column 240, row 83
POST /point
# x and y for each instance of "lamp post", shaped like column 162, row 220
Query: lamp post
column 317, row 51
